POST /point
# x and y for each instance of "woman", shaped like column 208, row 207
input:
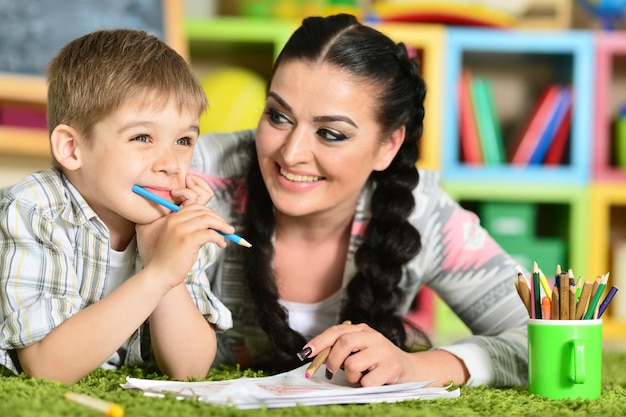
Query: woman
column 345, row 228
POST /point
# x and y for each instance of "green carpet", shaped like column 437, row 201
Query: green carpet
column 20, row 396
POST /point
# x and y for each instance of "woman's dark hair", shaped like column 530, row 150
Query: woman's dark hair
column 390, row 241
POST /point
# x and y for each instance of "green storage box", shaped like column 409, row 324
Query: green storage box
column 510, row 220
column 548, row 252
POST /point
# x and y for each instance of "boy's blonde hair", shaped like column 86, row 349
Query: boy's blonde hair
column 93, row 75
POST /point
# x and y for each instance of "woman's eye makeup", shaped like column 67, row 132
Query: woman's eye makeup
column 330, row 135
column 276, row 117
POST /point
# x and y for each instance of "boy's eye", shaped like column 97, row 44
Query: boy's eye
column 186, row 141
column 141, row 138
column 329, row 135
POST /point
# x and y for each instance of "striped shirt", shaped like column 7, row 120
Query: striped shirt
column 55, row 260
column 458, row 260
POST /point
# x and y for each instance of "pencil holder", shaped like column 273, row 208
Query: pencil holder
column 565, row 358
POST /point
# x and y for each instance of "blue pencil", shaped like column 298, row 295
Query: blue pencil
column 168, row 204
column 606, row 301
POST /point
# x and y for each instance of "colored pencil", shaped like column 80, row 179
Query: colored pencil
column 591, row 310
column 564, row 296
column 556, row 313
column 168, row 204
column 97, row 404
column 319, row 359
column 546, row 308
column 524, row 290
column 606, row 301
column 583, row 300
column 536, row 287
column 572, row 303
column 545, row 284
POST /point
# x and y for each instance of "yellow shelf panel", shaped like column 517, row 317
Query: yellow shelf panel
column 23, row 141
column 23, row 89
column 602, row 197
column 430, row 39
column 613, row 330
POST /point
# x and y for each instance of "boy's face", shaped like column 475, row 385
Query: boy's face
column 146, row 144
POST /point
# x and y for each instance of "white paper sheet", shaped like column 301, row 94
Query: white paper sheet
column 289, row 389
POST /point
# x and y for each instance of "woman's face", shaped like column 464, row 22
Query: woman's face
column 318, row 140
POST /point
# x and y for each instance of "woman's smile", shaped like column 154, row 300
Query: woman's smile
column 298, row 177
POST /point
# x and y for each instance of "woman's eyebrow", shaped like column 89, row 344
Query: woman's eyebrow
column 328, row 119
column 279, row 100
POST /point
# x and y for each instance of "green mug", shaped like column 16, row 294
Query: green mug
column 565, row 358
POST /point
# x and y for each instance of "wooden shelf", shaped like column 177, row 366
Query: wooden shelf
column 23, row 89
column 32, row 91
column 613, row 329
column 547, row 14
column 23, row 141
column 429, row 40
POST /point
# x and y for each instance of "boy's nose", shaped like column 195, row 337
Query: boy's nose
column 167, row 162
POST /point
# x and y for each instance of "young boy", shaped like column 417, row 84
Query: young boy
column 90, row 271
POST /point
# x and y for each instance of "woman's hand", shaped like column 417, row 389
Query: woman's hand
column 369, row 358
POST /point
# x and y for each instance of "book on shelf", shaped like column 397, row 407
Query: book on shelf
column 535, row 126
column 471, row 152
column 556, row 151
column 618, row 276
column 619, row 141
column 561, row 108
column 487, row 121
column 21, row 116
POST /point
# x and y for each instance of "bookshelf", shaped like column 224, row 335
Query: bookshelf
column 587, row 188
column 606, row 224
column 607, row 217
column 525, row 62
column 26, row 92
column 610, row 84
column 29, row 91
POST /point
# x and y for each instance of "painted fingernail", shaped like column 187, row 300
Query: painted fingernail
column 304, row 353
column 329, row 375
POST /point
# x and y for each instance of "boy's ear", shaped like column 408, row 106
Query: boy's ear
column 389, row 148
column 65, row 147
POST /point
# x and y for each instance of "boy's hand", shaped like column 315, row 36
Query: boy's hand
column 170, row 244
column 173, row 241
column 196, row 190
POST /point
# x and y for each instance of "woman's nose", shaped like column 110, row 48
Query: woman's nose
column 297, row 148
